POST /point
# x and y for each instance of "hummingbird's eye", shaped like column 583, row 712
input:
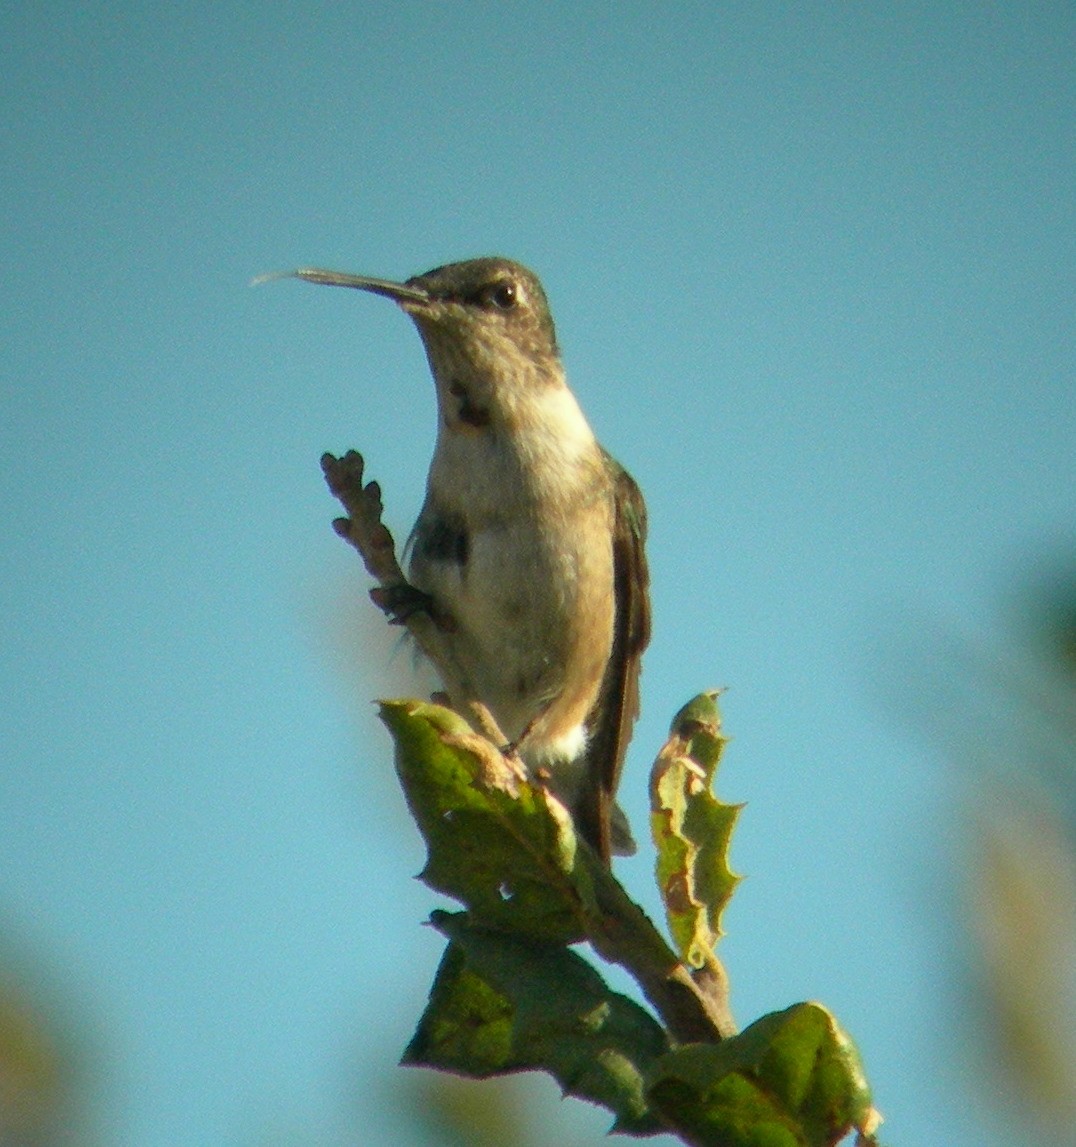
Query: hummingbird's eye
column 500, row 295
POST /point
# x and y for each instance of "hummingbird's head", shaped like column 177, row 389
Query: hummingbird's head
column 489, row 338
column 493, row 303
column 487, row 329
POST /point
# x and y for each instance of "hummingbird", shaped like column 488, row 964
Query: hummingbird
column 529, row 547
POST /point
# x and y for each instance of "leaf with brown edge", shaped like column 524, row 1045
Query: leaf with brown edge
column 498, row 842
column 691, row 829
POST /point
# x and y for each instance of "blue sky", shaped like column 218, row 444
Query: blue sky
column 812, row 271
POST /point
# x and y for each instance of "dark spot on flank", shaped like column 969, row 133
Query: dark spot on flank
column 445, row 540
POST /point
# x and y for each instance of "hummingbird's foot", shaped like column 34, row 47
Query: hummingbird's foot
column 401, row 601
column 515, row 748
column 486, row 723
column 511, row 749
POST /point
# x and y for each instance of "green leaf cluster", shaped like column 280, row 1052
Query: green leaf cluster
column 511, row 994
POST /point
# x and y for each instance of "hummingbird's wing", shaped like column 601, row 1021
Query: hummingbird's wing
column 612, row 718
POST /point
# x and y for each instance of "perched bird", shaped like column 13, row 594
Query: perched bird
column 529, row 548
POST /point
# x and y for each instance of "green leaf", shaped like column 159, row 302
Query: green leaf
column 501, row 844
column 505, row 847
column 500, row 1004
column 792, row 1079
column 691, row 830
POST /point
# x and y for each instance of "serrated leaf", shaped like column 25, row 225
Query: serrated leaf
column 496, row 841
column 499, row 1005
column 691, row 829
column 792, row 1079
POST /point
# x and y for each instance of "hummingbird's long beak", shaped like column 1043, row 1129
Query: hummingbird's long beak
column 400, row 292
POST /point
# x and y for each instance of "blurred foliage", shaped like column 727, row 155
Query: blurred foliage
column 1023, row 902
column 1023, row 869
column 457, row 1112
column 1005, row 709
column 38, row 1104
column 452, row 1111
